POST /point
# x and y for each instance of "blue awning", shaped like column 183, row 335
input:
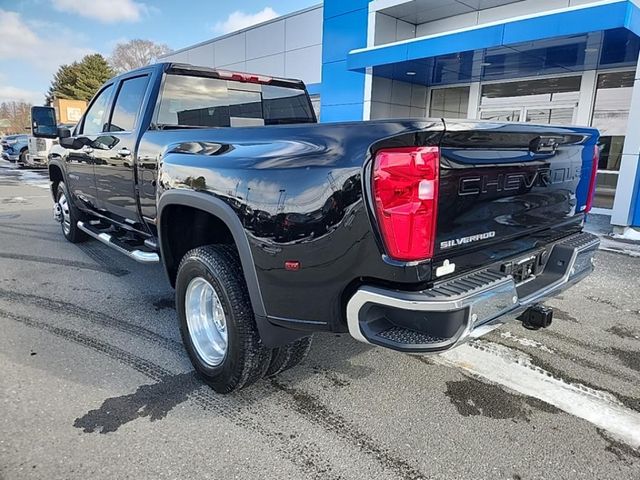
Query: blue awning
column 565, row 22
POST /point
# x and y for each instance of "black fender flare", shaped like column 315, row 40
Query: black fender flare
column 218, row 208
column 63, row 171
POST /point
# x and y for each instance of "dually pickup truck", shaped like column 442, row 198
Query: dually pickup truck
column 414, row 235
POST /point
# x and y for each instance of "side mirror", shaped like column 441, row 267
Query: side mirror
column 63, row 132
column 43, row 122
column 74, row 143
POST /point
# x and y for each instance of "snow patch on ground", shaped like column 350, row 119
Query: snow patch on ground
column 36, row 179
column 526, row 342
column 515, row 370
column 624, row 248
column 14, row 200
column 629, row 234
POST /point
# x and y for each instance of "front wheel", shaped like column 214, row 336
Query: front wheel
column 22, row 160
column 68, row 216
column 217, row 323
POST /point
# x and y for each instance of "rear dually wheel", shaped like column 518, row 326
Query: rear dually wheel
column 217, row 322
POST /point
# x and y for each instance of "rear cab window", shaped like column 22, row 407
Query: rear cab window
column 196, row 101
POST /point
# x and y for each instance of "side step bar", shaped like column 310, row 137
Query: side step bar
column 113, row 242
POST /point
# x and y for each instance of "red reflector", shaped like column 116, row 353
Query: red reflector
column 405, row 189
column 244, row 77
column 292, row 265
column 592, row 181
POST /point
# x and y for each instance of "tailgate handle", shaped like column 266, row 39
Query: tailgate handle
column 544, row 144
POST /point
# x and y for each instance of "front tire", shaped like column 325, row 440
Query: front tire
column 22, row 160
column 217, row 322
column 68, row 215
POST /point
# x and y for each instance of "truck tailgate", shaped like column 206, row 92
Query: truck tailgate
column 501, row 182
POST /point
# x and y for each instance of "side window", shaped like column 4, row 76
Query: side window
column 128, row 104
column 94, row 120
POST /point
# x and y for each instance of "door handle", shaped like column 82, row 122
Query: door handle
column 124, row 152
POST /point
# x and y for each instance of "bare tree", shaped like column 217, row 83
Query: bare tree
column 16, row 116
column 135, row 54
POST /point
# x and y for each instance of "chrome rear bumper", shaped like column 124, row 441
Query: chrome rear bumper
column 470, row 306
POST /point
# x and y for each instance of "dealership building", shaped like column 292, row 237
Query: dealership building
column 544, row 61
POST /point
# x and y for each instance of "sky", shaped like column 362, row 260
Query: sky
column 37, row 36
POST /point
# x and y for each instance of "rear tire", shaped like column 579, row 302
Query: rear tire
column 217, row 323
column 68, row 215
column 288, row 356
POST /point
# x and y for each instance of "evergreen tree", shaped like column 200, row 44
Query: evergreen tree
column 63, row 80
column 80, row 80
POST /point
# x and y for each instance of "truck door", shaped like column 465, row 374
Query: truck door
column 80, row 163
column 116, row 150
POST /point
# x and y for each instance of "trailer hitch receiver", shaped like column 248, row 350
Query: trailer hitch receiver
column 537, row 317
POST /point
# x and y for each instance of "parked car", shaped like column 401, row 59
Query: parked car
column 14, row 147
column 414, row 235
column 38, row 150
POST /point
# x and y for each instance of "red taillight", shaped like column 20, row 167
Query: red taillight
column 592, row 181
column 244, row 77
column 405, row 189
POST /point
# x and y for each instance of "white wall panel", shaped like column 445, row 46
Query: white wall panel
column 305, row 64
column 230, row 50
column 447, row 24
column 265, row 40
column 272, row 65
column 405, row 30
column 303, row 30
column 385, row 29
column 418, row 112
column 380, row 110
column 234, row 67
column 180, row 57
column 454, row 20
column 400, row 111
column 401, row 93
column 203, row 55
column 521, row 8
column 288, row 47
column 381, row 90
column 418, row 96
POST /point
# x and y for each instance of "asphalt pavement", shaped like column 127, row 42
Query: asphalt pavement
column 94, row 382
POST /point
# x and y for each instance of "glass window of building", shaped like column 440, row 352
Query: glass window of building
column 610, row 115
column 546, row 101
column 501, row 115
column 449, row 102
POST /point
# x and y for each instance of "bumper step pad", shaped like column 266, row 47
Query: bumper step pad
column 409, row 337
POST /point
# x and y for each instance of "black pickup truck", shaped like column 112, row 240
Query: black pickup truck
column 414, row 235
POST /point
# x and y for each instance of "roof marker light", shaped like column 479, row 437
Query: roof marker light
column 244, row 77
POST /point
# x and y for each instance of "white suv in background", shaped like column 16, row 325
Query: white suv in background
column 39, row 150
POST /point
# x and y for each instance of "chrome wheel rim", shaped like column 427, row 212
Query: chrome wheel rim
column 206, row 322
column 65, row 220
